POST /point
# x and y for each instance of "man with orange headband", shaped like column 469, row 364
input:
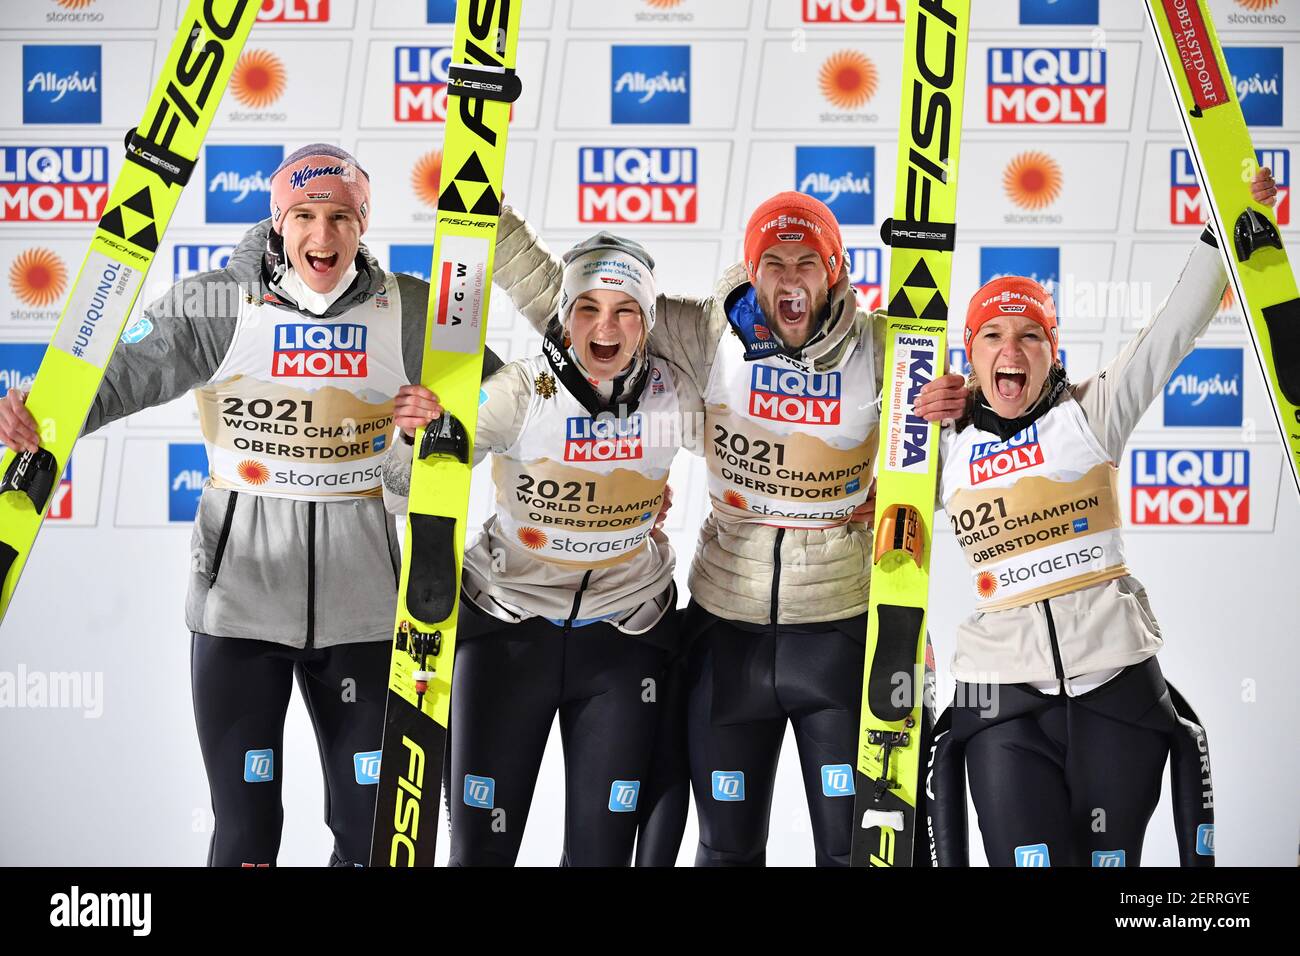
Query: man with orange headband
column 294, row 351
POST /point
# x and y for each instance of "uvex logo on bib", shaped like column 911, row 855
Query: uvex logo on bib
column 784, row 395
column 319, row 351
column 993, row 459
column 602, row 439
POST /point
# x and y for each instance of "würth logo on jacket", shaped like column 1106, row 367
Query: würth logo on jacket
column 319, row 351
column 784, row 395
column 602, row 439
column 993, row 459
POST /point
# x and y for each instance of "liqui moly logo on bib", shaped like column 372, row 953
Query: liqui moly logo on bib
column 420, row 83
column 1048, row 85
column 319, row 351
column 1257, row 74
column 53, row 183
column 294, row 11
column 994, row 459
column 786, row 395
column 603, row 439
column 852, row 11
column 1187, row 204
column 638, row 184
column 1193, row 486
column 865, row 274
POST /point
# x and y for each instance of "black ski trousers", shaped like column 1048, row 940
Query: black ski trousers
column 509, row 683
column 241, row 692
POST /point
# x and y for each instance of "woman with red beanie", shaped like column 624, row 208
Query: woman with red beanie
column 1061, row 710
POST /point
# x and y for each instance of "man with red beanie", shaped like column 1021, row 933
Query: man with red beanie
column 790, row 371
column 293, row 351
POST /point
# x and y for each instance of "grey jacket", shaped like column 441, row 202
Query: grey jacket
column 300, row 573
column 742, row 571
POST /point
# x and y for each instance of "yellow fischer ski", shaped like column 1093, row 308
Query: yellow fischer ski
column 921, row 236
column 481, row 86
column 1249, row 240
column 161, row 154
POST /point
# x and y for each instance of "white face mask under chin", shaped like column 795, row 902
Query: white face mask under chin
column 311, row 300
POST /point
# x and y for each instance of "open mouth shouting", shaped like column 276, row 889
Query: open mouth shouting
column 792, row 309
column 1010, row 381
column 320, row 261
column 605, row 350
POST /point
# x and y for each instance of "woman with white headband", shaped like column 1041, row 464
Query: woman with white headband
column 567, row 596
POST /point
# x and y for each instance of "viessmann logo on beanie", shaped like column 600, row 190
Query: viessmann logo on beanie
column 319, row 173
column 1011, row 295
column 795, row 217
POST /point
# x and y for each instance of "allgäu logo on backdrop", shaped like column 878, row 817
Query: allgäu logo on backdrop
column 1205, row 390
column 239, row 182
column 842, row 177
column 650, row 84
column 62, row 84
column 1060, row 12
column 1040, row 263
column 1257, row 75
column 18, row 364
column 414, row 259
column 440, row 11
column 187, row 470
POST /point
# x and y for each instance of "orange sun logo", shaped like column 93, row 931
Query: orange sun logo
column 254, row 472
column 258, row 79
column 1032, row 180
column 1256, row 4
column 38, row 277
column 985, row 584
column 426, row 178
column 1229, row 301
column 532, row 539
column 663, row 4
column 74, row 4
column 848, row 79
column 735, row 499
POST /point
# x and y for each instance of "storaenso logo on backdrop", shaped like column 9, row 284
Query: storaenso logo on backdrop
column 1257, row 75
column 1205, row 389
column 1040, row 263
column 53, row 183
column 239, row 182
column 1065, row 13
column 61, row 84
column 1048, row 85
column 190, row 260
column 840, row 176
column 650, row 84
column 187, row 470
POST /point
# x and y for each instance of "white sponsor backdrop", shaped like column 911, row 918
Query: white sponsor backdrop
column 1087, row 201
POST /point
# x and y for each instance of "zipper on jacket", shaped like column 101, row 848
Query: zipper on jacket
column 311, row 573
column 226, row 522
column 776, row 576
column 1056, row 648
column 577, row 601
